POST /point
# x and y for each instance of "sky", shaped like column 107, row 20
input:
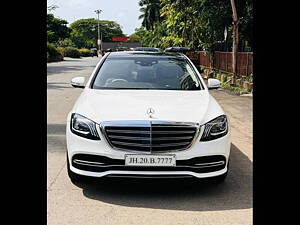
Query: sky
column 124, row 12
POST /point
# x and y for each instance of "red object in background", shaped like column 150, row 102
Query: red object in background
column 120, row 38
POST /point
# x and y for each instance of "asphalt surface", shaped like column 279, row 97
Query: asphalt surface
column 141, row 201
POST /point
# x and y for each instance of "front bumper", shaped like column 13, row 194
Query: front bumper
column 77, row 145
column 148, row 174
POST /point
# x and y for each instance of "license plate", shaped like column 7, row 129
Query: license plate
column 150, row 160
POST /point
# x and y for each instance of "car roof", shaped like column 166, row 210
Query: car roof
column 145, row 54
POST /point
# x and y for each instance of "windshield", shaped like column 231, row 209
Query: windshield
column 161, row 73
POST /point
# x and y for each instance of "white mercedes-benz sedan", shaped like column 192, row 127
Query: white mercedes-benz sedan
column 147, row 114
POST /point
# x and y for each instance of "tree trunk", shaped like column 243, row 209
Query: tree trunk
column 184, row 32
column 235, row 40
column 211, row 60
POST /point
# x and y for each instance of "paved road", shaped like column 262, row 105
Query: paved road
column 144, row 201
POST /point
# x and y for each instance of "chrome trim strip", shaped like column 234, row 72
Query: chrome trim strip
column 151, row 136
column 218, row 163
column 137, row 123
column 161, row 176
column 87, row 163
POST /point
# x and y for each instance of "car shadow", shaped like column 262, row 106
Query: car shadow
column 179, row 194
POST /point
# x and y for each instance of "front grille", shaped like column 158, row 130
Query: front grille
column 149, row 136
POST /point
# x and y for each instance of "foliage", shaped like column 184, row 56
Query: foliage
column 72, row 52
column 198, row 24
column 84, row 52
column 67, row 42
column 227, row 83
column 245, row 10
column 134, row 38
column 61, row 50
column 154, row 38
column 53, row 54
column 85, row 32
column 140, row 32
column 52, row 7
column 234, row 89
column 56, row 29
column 150, row 13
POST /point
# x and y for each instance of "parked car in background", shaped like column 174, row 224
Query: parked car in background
column 177, row 49
column 119, row 49
column 147, row 114
column 146, row 49
column 94, row 52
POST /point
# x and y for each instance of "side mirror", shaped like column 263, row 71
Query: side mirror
column 213, row 83
column 78, row 82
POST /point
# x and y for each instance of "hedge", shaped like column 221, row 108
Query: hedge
column 84, row 52
column 53, row 55
column 61, row 50
column 72, row 52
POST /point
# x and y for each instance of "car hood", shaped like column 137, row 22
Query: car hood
column 170, row 105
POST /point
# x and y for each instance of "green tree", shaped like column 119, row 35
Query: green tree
column 67, row 42
column 56, row 29
column 85, row 32
column 52, row 8
column 150, row 10
column 241, row 12
column 198, row 24
column 135, row 38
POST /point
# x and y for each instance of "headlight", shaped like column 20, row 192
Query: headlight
column 84, row 127
column 215, row 128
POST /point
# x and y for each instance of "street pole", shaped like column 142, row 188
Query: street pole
column 98, row 11
column 225, row 38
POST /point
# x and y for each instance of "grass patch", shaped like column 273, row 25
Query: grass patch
column 225, row 78
column 233, row 88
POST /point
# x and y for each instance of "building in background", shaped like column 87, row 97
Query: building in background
column 119, row 45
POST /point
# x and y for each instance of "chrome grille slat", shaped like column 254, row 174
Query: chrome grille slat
column 153, row 138
column 168, row 126
column 171, row 138
column 149, row 145
column 129, row 137
column 128, row 131
column 148, row 132
column 172, row 132
column 130, row 144
column 146, row 136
